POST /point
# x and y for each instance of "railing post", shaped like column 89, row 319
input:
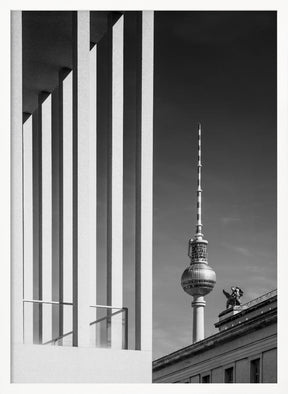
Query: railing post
column 126, row 328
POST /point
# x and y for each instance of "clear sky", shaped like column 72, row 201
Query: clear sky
column 218, row 68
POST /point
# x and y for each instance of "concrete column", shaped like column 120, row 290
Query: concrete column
column 138, row 214
column 16, row 179
column 47, row 218
column 60, row 215
column 28, row 229
column 67, row 203
column 144, row 202
column 56, row 209
column 198, row 306
column 117, row 182
column 37, row 221
column 81, row 43
column 93, row 189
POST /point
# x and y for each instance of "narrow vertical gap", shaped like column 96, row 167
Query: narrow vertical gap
column 23, row 227
column 108, row 56
column 109, row 175
column 138, row 185
column 25, row 116
column 40, row 212
column 129, row 156
column 75, row 175
column 102, row 178
column 60, row 139
column 35, row 186
column 55, row 212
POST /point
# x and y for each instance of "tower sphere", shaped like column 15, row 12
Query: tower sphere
column 198, row 279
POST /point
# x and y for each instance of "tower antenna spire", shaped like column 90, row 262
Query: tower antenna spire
column 198, row 279
column 199, row 225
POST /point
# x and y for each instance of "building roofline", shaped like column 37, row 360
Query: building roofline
column 242, row 328
column 245, row 310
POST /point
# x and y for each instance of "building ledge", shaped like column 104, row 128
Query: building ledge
column 237, row 312
column 242, row 328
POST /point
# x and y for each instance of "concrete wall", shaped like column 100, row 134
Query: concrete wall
column 269, row 365
column 237, row 353
column 195, row 379
column 57, row 364
column 217, row 375
column 243, row 371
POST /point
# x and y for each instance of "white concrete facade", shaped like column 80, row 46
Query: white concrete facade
column 146, row 179
column 76, row 181
column 47, row 217
column 116, row 180
column 28, row 230
column 16, row 179
column 81, row 297
column 67, row 202
column 40, row 364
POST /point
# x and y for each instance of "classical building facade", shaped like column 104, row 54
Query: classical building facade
column 69, row 74
column 243, row 351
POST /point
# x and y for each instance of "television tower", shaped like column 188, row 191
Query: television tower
column 199, row 278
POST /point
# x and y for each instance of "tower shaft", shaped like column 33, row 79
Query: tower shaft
column 198, row 306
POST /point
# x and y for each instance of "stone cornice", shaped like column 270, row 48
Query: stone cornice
column 245, row 311
column 241, row 329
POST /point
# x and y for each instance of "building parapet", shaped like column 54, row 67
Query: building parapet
column 228, row 317
column 239, row 327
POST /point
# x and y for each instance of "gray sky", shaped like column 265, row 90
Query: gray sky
column 218, row 68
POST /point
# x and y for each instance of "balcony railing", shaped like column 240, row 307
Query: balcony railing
column 257, row 300
column 51, row 323
column 109, row 326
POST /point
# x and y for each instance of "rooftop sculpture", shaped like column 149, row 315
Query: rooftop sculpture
column 233, row 299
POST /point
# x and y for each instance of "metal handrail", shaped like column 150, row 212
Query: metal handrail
column 257, row 300
column 49, row 302
column 124, row 309
column 58, row 338
column 71, row 303
column 107, row 317
column 105, row 307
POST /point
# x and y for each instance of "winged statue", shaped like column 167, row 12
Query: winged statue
column 233, row 299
